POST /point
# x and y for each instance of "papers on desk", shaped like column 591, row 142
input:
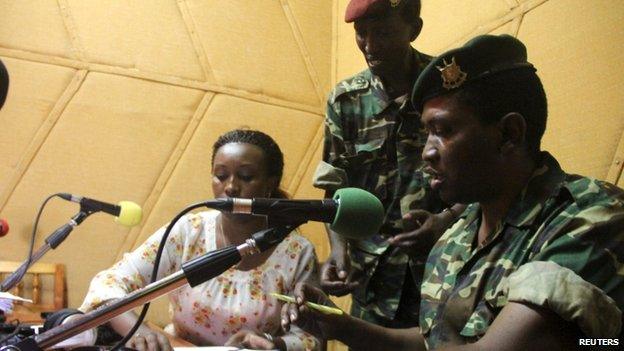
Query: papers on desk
column 9, row 296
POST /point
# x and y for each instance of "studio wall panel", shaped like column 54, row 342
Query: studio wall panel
column 149, row 36
column 314, row 20
column 28, row 104
column 447, row 21
column 578, row 49
column 88, row 153
column 35, row 26
column 250, row 46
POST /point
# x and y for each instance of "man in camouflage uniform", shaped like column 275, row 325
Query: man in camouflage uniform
column 536, row 262
column 373, row 141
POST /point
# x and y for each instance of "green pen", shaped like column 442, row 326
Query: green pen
column 316, row 306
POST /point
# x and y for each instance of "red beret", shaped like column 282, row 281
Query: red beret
column 361, row 8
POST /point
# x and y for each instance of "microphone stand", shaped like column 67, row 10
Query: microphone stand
column 51, row 242
column 193, row 272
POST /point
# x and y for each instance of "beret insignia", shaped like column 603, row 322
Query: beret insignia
column 452, row 75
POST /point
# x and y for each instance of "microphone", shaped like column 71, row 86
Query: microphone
column 126, row 213
column 353, row 213
column 4, row 227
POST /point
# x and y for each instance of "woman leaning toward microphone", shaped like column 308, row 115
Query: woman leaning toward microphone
column 235, row 308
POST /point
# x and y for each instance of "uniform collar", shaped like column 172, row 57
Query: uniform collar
column 547, row 180
column 376, row 85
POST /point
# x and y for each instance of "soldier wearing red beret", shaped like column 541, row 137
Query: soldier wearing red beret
column 373, row 141
column 535, row 261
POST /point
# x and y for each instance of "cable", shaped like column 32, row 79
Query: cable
column 161, row 248
column 32, row 236
column 13, row 333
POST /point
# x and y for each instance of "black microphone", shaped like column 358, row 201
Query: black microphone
column 128, row 213
column 353, row 213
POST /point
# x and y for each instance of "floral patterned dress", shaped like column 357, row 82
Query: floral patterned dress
column 212, row 312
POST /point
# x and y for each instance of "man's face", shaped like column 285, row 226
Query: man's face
column 462, row 153
column 385, row 42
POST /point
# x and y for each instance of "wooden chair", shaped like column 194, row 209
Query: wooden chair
column 36, row 286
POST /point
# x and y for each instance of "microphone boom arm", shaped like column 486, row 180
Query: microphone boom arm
column 193, row 272
column 51, row 242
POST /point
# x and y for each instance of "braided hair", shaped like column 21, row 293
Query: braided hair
column 272, row 154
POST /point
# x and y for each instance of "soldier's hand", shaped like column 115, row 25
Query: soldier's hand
column 256, row 341
column 336, row 274
column 422, row 230
column 321, row 325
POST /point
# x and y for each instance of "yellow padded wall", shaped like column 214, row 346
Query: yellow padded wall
column 122, row 100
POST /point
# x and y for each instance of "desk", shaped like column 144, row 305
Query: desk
column 24, row 315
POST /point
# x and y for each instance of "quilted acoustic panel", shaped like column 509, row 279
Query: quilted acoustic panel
column 34, row 26
column 149, row 36
column 251, row 46
column 578, row 48
column 110, row 143
column 28, row 104
column 314, row 20
column 446, row 21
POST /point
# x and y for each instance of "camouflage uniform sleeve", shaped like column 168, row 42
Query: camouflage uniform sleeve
column 328, row 175
column 583, row 277
column 564, row 292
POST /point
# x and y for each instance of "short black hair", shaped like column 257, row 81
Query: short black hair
column 4, row 83
column 411, row 10
column 273, row 155
column 518, row 90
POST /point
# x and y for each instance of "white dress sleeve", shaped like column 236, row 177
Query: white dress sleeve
column 134, row 271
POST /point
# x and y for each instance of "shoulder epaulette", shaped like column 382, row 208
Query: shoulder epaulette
column 357, row 82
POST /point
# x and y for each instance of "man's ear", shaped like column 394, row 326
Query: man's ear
column 416, row 28
column 513, row 132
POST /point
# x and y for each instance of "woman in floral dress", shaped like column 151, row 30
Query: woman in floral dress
column 235, row 308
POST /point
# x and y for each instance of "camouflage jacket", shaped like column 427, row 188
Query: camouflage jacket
column 561, row 246
column 375, row 143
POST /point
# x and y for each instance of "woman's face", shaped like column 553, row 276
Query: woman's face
column 239, row 170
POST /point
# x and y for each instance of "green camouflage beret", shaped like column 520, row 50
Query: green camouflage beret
column 479, row 58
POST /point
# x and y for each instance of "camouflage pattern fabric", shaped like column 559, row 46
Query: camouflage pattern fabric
column 374, row 143
column 573, row 223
